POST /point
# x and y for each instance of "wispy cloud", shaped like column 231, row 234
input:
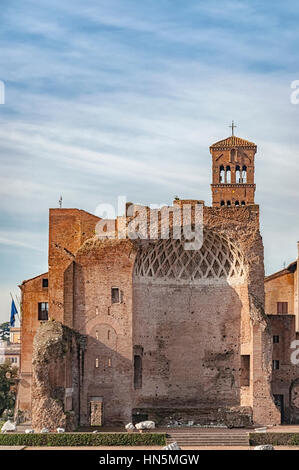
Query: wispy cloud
column 17, row 244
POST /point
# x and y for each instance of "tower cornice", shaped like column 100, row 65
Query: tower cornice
column 233, row 142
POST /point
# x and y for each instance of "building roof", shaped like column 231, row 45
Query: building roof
column 35, row 277
column 233, row 141
column 290, row 269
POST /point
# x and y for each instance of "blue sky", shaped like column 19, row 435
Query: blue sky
column 108, row 98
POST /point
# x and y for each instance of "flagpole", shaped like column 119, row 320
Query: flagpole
column 19, row 302
column 20, row 308
column 19, row 305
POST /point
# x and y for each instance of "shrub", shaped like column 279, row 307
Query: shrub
column 83, row 439
column 274, row 438
column 8, row 387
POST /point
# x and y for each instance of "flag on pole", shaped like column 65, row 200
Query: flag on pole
column 13, row 313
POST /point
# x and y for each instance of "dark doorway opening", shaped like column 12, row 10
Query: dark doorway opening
column 278, row 400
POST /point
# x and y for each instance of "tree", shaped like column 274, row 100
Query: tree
column 8, row 386
column 4, row 331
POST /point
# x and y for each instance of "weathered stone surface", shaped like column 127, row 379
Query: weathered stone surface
column 263, row 429
column 229, row 417
column 130, row 426
column 8, row 426
column 96, row 413
column 145, row 425
column 264, row 447
column 55, row 367
column 172, row 446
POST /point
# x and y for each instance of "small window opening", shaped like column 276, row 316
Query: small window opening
column 115, row 295
column 222, row 203
column 275, row 339
column 237, row 203
column 282, row 308
column 243, row 203
column 244, row 174
column 97, row 362
column 275, row 364
column 245, row 370
column 228, row 203
column 238, row 174
column 45, row 283
column 43, row 311
column 137, row 371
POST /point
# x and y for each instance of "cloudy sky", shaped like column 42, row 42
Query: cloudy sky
column 124, row 97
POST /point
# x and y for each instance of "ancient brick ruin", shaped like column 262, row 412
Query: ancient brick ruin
column 145, row 328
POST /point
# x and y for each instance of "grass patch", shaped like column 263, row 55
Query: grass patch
column 83, row 439
column 274, row 438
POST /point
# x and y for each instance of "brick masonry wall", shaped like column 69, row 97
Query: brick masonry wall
column 279, row 289
column 32, row 294
column 68, row 229
column 192, row 336
column 227, row 320
column 108, row 372
column 171, row 341
column 285, row 380
column 232, row 191
column 191, row 342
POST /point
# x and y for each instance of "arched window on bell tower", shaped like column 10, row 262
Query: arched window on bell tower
column 221, row 174
column 244, row 174
column 228, row 174
column 238, row 175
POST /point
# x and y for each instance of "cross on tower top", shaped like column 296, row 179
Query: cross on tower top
column 233, row 126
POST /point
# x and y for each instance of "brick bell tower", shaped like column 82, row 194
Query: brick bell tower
column 233, row 171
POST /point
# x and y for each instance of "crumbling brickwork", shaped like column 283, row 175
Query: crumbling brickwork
column 194, row 332
column 56, row 363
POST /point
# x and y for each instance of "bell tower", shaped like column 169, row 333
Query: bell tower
column 233, row 171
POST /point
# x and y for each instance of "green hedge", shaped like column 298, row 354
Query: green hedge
column 274, row 438
column 83, row 439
